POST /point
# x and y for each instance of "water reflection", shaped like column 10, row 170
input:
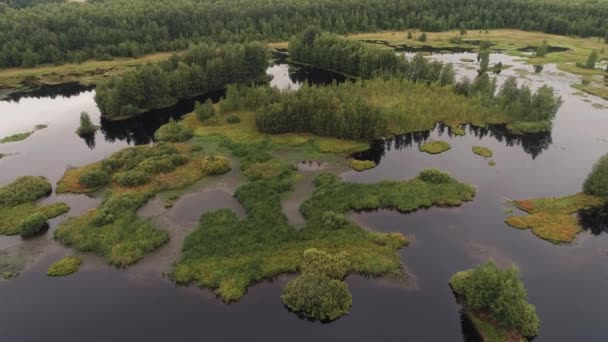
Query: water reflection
column 469, row 333
column 533, row 144
column 66, row 90
column 595, row 220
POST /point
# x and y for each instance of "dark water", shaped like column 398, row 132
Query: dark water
column 566, row 283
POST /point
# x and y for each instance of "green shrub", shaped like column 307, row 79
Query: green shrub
column 204, row 111
column 233, row 119
column 173, row 132
column 435, row 176
column 86, row 126
column 64, row 267
column 317, row 297
column 334, row 220
column 33, row 224
column 500, row 294
column 116, row 206
column 483, row 151
column 156, row 165
column 132, row 178
column 24, row 189
column 214, row 165
column 597, row 182
column 94, row 179
column 334, row 266
column 215, row 120
column 325, row 179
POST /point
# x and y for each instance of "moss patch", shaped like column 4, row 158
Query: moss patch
column 457, row 130
column 483, row 151
column 361, row 165
column 16, row 137
column 64, row 267
column 553, row 219
column 435, row 146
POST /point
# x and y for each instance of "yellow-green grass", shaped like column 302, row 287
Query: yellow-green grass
column 361, row 165
column 553, row 219
column 596, row 89
column 246, row 131
column 16, row 137
column 85, row 73
column 457, row 130
column 483, row 151
column 64, row 267
column 435, row 146
column 10, row 217
column 113, row 230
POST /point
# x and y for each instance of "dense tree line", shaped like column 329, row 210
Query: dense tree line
column 201, row 69
column 355, row 58
column 27, row 3
column 73, row 32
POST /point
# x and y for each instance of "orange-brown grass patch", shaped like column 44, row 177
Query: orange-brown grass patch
column 553, row 219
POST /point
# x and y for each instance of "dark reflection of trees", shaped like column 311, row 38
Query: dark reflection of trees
column 52, row 91
column 469, row 333
column 595, row 220
column 89, row 139
column 140, row 130
column 533, row 144
column 301, row 74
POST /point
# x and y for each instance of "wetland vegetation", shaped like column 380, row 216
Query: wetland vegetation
column 64, row 267
column 435, row 146
column 497, row 302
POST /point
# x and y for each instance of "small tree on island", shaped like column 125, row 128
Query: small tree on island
column 204, row 111
column 410, row 35
column 86, row 125
column 422, row 37
column 596, row 183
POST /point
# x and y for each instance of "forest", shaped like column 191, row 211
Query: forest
column 73, row 32
column 201, row 69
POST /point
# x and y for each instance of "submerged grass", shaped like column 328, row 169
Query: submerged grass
column 435, row 146
column 228, row 254
column 16, row 137
column 553, row 219
column 114, row 231
column 361, row 165
column 483, row 151
column 64, row 267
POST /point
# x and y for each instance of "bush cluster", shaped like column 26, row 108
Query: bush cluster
column 215, row 165
column 334, row 220
column 500, row 294
column 33, row 224
column 94, row 179
column 597, row 182
column 24, row 189
column 435, row 176
column 172, row 132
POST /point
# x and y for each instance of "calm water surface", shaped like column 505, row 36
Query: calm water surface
column 566, row 283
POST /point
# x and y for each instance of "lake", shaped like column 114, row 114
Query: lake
column 566, row 283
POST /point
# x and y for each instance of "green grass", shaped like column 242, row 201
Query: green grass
column 16, row 137
column 114, row 231
column 17, row 202
column 457, row 130
column 552, row 219
column 435, row 146
column 228, row 254
column 64, row 267
column 361, row 165
column 483, row 151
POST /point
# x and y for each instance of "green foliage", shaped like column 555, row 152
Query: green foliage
column 233, row 119
column 204, row 111
column 484, row 60
column 361, row 165
column 483, row 151
column 201, row 69
column 173, row 132
column 591, row 60
column 132, row 178
column 422, row 37
column 317, row 297
column 86, row 125
column 11, row 217
column 214, row 165
column 94, row 179
column 597, row 182
column 64, row 267
column 32, row 225
column 334, row 266
column 333, row 220
column 435, row 146
column 16, row 137
column 355, row 58
column 435, row 176
column 24, row 189
column 542, row 50
column 500, row 294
